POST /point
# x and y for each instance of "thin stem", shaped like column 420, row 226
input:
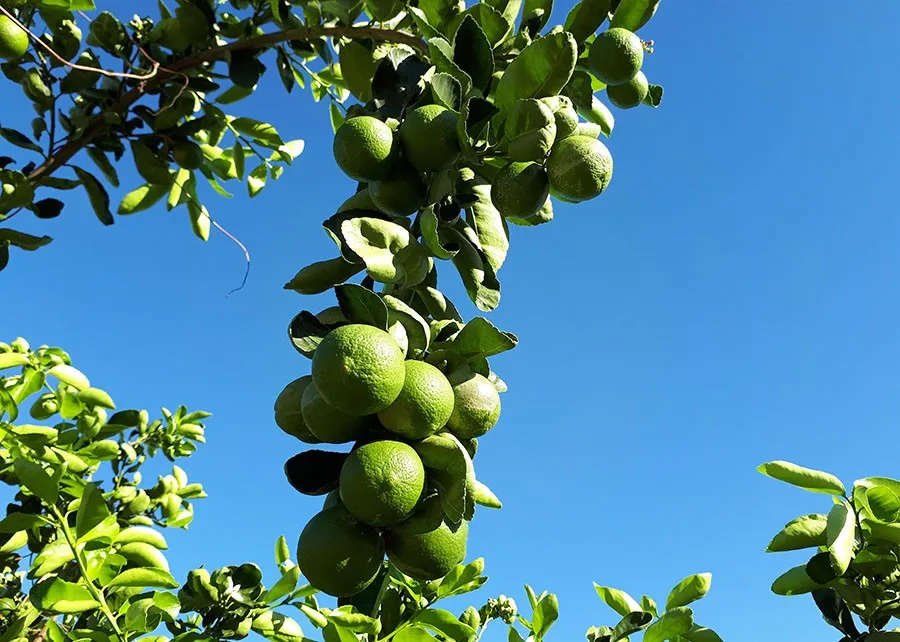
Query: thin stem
column 381, row 591
column 52, row 142
column 484, row 626
column 82, row 567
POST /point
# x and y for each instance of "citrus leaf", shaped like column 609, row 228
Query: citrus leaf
column 263, row 133
column 306, row 332
column 70, row 375
column 277, row 627
column 884, row 504
column 701, row 634
column 322, row 275
column 200, row 219
column 494, row 25
column 542, row 69
column 670, row 625
column 142, row 198
column 149, row 166
column 812, row 480
column 418, row 331
column 97, row 195
column 442, row 55
column 430, row 228
column 282, row 552
column 477, row 275
column 444, row 623
column 314, row 472
column 144, row 578
column 92, row 510
column 48, row 208
column 13, row 360
column 509, row 9
column 690, row 589
column 446, row 91
column 795, row 581
column 586, row 17
column 654, row 96
column 358, row 66
column 484, row 496
column 336, row 117
column 634, row 14
column 630, row 624
column 285, row 585
column 806, row 531
column 473, row 54
column 16, row 190
column 489, row 225
column 390, row 252
column 59, row 596
column 535, row 15
column 256, row 181
column 22, row 240
column 360, row 305
column 36, row 480
column 480, row 338
column 619, row 601
column 19, row 139
column 421, row 20
column 841, row 537
column 101, row 160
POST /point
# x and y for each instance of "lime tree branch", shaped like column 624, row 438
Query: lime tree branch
column 99, row 125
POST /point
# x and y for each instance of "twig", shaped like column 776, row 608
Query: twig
column 95, row 70
column 244, row 249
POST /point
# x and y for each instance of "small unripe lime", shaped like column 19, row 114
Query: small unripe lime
column 631, row 94
column 13, row 39
column 616, row 56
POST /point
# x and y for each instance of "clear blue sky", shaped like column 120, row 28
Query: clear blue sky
column 736, row 301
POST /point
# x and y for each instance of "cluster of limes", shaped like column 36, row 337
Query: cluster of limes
column 616, row 57
column 363, row 390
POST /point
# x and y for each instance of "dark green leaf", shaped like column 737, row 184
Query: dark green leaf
column 804, row 532
column 48, row 208
column 688, row 590
column 97, row 195
column 542, row 69
column 244, row 70
column 488, row 224
column 442, row 54
column 654, row 96
column 101, row 160
column 883, row 503
column 472, row 53
column 446, row 91
column 306, row 332
column 16, row 190
column 314, row 472
column 19, row 139
column 285, row 70
column 477, row 275
column 15, row 522
column 630, row 624
column 634, row 14
column 361, row 305
column 494, row 25
column 323, row 275
column 334, row 633
column 509, row 9
column 151, row 168
column 421, row 20
column 91, row 512
column 586, row 17
column 701, row 634
column 59, row 596
column 358, row 68
column 535, row 16
column 36, row 480
column 480, row 338
column 337, row 118
column 22, row 240
column 806, row 478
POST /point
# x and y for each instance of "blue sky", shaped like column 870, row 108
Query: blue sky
column 731, row 299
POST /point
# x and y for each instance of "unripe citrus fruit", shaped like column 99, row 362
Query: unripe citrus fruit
column 579, row 168
column 338, row 554
column 429, row 137
column 288, row 413
column 381, row 482
column 424, row 404
column 188, row 155
column 13, row 39
column 564, row 113
column 364, row 148
column 358, row 369
column 476, row 407
column 616, row 56
column 401, row 193
column 520, row 189
column 631, row 94
column 425, row 546
column 327, row 423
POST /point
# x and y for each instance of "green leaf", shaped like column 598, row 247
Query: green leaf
column 442, row 55
column 619, row 601
column 494, row 25
column 431, row 233
column 841, row 537
column 472, row 52
column 409, row 634
column 277, row 627
column 418, row 331
column 884, row 504
column 450, row 470
column 263, row 133
column 16, row 190
column 59, row 596
column 323, row 275
column 14, row 543
column 421, row 20
column 284, row 586
column 509, row 9
column 337, row 118
column 489, row 225
column 542, row 69
column 19, row 139
column 70, row 5
column 97, row 195
column 702, row 634
column 444, row 623
column 545, row 615
column 390, row 252
column 806, row 478
column 91, row 512
column 480, row 338
column 358, row 66
column 670, row 625
column 101, row 160
column 15, row 522
column 306, row 332
column 13, row 360
column 477, row 275
column 36, row 480
column 71, row 376
column 586, row 17
column 334, row 633
column 649, row 605
column 654, row 96
column 633, row 14
column 884, row 636
column 151, row 168
column 256, row 181
column 795, row 581
column 22, row 240
column 690, row 589
column 446, row 91
column 234, row 94
column 535, row 15
column 356, row 622
column 360, row 305
column 200, row 219
column 805, row 531
column 144, row 578
column 630, row 624
column 142, row 198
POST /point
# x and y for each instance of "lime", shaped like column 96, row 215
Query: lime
column 580, row 168
column 288, row 413
column 358, row 369
column 364, row 148
column 381, row 482
column 429, row 137
column 327, row 423
column 338, row 554
column 476, row 407
column 520, row 189
column 424, row 404
column 13, row 39
column 188, row 155
column 616, row 56
column 564, row 113
column 425, row 546
column 401, row 193
column 631, row 94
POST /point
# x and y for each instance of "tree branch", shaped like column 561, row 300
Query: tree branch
column 98, row 125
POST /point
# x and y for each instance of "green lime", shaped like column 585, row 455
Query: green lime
column 288, row 413
column 425, row 546
column 381, row 482
column 616, row 56
column 429, row 137
column 188, row 155
column 338, row 554
column 401, row 194
column 364, row 149
column 359, row 369
column 424, row 404
column 564, row 113
column 476, row 407
column 580, row 168
column 520, row 189
column 631, row 94
column 327, row 423
column 13, row 39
